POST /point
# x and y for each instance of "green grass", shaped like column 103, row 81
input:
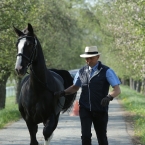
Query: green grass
column 10, row 113
column 135, row 103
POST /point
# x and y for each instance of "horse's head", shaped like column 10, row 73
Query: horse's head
column 26, row 48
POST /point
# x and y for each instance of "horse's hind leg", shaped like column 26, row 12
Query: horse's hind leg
column 50, row 127
column 32, row 130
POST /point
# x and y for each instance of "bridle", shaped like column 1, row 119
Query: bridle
column 33, row 53
column 31, row 59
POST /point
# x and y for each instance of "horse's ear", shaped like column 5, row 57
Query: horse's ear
column 30, row 28
column 18, row 32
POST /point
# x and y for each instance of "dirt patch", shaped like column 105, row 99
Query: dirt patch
column 130, row 124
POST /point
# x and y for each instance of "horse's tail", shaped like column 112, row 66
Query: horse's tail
column 69, row 102
column 68, row 81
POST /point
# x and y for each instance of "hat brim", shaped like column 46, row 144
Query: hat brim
column 89, row 55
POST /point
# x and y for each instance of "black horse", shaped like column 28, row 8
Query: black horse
column 37, row 102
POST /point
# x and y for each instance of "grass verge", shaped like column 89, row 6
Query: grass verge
column 135, row 103
column 10, row 113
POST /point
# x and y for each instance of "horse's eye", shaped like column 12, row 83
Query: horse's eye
column 29, row 43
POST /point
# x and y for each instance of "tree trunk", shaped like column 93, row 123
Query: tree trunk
column 134, row 85
column 143, row 87
column 131, row 83
column 125, row 82
column 122, row 81
column 138, row 86
column 3, row 82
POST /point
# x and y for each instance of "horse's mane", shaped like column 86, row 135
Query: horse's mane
column 24, row 79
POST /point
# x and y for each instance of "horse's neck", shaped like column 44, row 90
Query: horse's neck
column 39, row 73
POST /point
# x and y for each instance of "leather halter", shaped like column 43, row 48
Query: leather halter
column 33, row 53
column 31, row 59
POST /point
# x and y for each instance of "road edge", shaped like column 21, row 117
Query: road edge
column 128, row 117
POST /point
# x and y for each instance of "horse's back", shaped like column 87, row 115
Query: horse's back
column 54, row 81
column 68, row 81
column 58, row 84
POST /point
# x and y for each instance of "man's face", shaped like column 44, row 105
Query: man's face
column 92, row 61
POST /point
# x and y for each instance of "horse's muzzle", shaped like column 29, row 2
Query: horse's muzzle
column 21, row 72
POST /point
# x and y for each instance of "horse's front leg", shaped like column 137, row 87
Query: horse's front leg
column 50, row 126
column 32, row 130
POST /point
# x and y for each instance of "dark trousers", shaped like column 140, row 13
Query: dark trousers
column 99, row 120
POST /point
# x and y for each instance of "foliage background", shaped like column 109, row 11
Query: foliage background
column 66, row 27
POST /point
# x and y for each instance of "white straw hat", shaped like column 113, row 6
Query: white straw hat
column 90, row 51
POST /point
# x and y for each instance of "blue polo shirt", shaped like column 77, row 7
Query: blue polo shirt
column 110, row 76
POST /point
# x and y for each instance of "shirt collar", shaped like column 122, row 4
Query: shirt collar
column 94, row 67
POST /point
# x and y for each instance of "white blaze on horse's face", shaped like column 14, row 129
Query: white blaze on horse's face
column 20, row 50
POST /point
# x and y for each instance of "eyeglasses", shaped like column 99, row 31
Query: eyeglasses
column 92, row 57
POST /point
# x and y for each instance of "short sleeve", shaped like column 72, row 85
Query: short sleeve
column 77, row 81
column 112, row 78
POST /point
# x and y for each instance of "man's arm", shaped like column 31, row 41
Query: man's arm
column 115, row 92
column 72, row 89
column 114, row 82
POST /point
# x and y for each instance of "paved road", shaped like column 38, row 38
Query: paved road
column 68, row 130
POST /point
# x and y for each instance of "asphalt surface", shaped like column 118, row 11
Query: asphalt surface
column 68, row 131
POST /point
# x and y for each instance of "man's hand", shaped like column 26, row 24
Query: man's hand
column 59, row 94
column 105, row 101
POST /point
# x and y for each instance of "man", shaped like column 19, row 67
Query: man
column 94, row 79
